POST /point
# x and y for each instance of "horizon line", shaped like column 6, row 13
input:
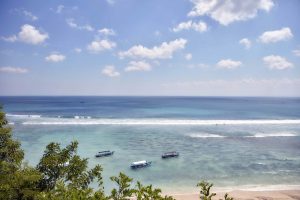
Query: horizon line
column 216, row 96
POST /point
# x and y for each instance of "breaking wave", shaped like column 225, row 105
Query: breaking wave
column 263, row 135
column 205, row 135
column 23, row 116
column 102, row 121
column 88, row 120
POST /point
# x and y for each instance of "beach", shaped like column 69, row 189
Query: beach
column 254, row 192
column 249, row 195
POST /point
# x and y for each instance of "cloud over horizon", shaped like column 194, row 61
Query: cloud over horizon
column 28, row 34
column 110, row 71
column 276, row 35
column 14, row 70
column 277, row 62
column 55, row 57
column 228, row 64
column 228, row 11
column 164, row 51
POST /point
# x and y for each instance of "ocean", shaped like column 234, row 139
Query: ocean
column 234, row 142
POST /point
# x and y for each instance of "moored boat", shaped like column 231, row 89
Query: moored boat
column 170, row 154
column 140, row 164
column 104, row 153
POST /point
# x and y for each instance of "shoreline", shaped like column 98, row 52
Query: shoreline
column 255, row 192
column 247, row 195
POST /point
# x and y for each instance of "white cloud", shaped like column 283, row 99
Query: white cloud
column 246, row 42
column 110, row 71
column 277, row 62
column 200, row 26
column 229, row 64
column 101, row 45
column 12, row 38
column 78, row 50
column 72, row 24
column 29, row 34
column 228, row 11
column 164, row 51
column 107, row 31
column 138, row 66
column 188, row 56
column 296, row 52
column 60, row 8
column 276, row 35
column 30, row 15
column 16, row 70
column 55, row 57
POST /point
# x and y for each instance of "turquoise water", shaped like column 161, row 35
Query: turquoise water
column 229, row 141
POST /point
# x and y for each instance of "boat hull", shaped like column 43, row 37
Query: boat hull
column 140, row 166
column 169, row 155
column 104, row 154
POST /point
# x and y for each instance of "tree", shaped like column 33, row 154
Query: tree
column 64, row 173
column 149, row 193
column 17, row 180
column 205, row 190
column 226, row 197
column 123, row 192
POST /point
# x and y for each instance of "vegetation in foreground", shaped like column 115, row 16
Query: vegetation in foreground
column 62, row 175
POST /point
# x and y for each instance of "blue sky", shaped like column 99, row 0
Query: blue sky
column 157, row 47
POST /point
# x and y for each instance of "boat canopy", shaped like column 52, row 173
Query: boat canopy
column 140, row 162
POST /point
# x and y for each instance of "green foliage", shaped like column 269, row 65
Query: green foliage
column 205, row 194
column 123, row 192
column 148, row 193
column 226, row 197
column 11, row 155
column 63, row 171
column 67, row 192
column 17, row 180
column 53, row 164
column 205, row 190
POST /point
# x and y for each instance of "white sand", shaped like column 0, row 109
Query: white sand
column 243, row 195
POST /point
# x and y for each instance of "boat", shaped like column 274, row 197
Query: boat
column 140, row 164
column 104, row 153
column 170, row 154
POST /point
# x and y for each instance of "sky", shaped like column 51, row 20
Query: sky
column 155, row 48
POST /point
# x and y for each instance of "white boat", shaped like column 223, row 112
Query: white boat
column 140, row 164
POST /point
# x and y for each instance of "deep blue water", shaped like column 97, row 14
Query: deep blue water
column 156, row 107
column 230, row 141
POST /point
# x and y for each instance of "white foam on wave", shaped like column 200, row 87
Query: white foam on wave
column 263, row 135
column 103, row 121
column 205, row 135
column 23, row 116
column 82, row 117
